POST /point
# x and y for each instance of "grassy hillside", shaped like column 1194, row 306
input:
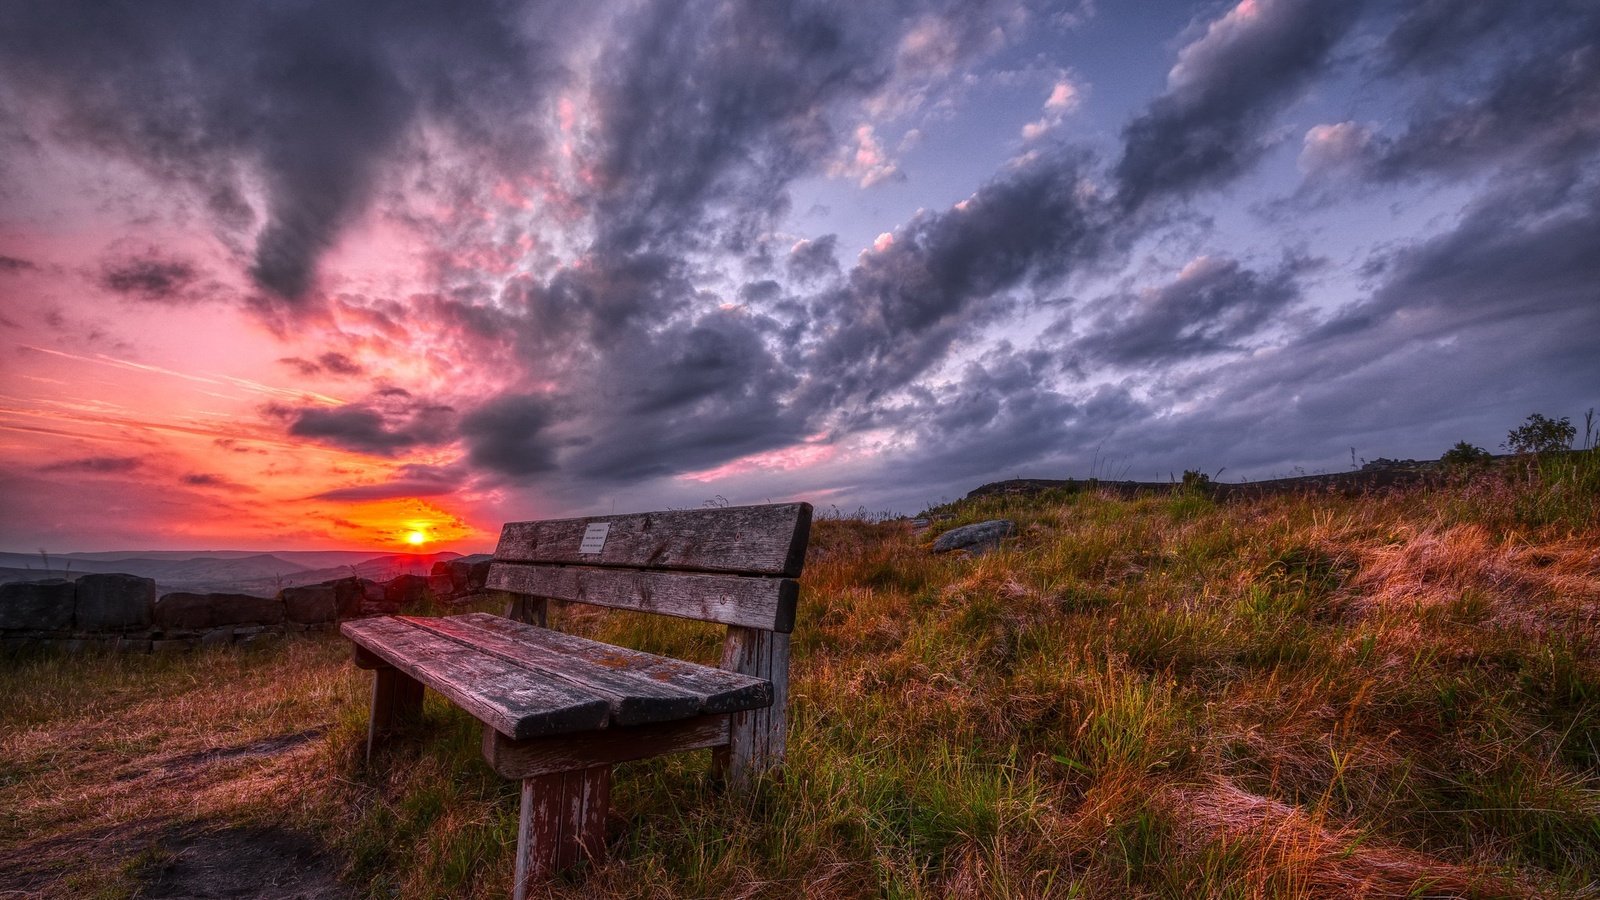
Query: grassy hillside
column 1289, row 696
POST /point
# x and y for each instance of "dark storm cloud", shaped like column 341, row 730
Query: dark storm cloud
column 331, row 362
column 1208, row 127
column 97, row 465
column 313, row 96
column 1211, row 305
column 710, row 110
column 150, row 276
column 812, row 259
column 699, row 393
column 409, row 481
column 1529, row 248
column 1539, row 106
column 510, row 435
column 947, row 273
column 211, row 480
column 382, row 425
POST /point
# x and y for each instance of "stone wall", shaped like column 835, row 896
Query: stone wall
column 123, row 612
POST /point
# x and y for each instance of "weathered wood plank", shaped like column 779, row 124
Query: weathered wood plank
column 767, row 603
column 560, row 753
column 715, row 690
column 500, row 694
column 562, row 823
column 756, row 738
column 396, row 703
column 633, row 700
column 753, row 540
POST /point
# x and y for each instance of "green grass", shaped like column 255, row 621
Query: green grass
column 1394, row 695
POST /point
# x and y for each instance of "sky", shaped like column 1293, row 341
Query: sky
column 310, row 275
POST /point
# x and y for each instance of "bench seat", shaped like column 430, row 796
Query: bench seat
column 525, row 681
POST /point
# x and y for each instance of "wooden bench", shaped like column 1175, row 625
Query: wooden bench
column 559, row 710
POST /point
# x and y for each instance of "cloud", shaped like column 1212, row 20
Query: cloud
column 865, row 161
column 1212, row 305
column 1065, row 97
column 211, row 480
column 409, row 481
column 1335, row 147
column 308, row 101
column 97, row 465
column 10, row 265
column 1537, row 107
column 151, row 276
column 1208, row 126
column 510, row 435
column 812, row 259
column 383, row 425
column 944, row 274
column 331, row 362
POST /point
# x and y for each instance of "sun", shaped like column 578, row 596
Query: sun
column 416, row 538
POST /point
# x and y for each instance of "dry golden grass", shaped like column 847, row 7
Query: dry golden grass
column 1317, row 696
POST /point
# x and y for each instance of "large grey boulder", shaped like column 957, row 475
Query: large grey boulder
column 978, row 538
column 312, row 604
column 37, row 605
column 198, row 612
column 115, row 602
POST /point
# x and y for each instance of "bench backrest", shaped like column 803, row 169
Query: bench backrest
column 733, row 565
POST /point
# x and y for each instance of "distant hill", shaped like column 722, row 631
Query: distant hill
column 261, row 574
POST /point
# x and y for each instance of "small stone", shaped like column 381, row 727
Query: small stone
column 978, row 538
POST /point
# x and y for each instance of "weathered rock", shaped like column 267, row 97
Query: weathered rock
column 347, row 595
column 978, row 538
column 403, row 590
column 217, row 637
column 44, row 605
column 171, row 646
column 114, row 602
column 310, row 604
column 441, row 585
column 478, row 574
column 202, row 611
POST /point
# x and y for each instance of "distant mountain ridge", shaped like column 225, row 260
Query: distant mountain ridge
column 243, row 572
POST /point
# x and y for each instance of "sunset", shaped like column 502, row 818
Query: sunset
column 1108, row 449
column 490, row 263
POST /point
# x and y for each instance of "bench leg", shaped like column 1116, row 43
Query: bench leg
column 563, row 822
column 396, row 702
column 756, row 737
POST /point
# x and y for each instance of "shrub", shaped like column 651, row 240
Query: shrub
column 1541, row 435
column 1465, row 454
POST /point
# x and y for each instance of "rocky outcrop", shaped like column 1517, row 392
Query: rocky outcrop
column 47, row 605
column 184, row 611
column 114, row 602
column 312, row 604
column 978, row 538
column 122, row 611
